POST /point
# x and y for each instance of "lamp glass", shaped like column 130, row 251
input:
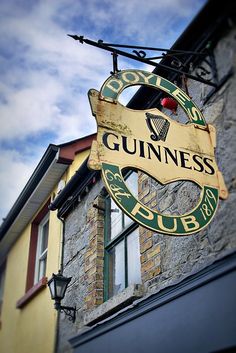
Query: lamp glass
column 51, row 285
column 61, row 287
column 58, row 285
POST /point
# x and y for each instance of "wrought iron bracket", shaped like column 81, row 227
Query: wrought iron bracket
column 99, row 208
column 116, row 210
column 68, row 311
column 115, row 63
column 180, row 60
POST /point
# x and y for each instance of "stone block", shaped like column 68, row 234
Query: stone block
column 152, row 274
column 146, row 245
column 114, row 304
column 153, row 252
column 147, row 265
column 143, row 258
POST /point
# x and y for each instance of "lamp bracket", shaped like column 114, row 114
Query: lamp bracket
column 68, row 311
column 182, row 62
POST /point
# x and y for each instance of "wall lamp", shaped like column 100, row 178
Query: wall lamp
column 58, row 286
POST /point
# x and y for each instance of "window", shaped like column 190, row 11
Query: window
column 37, row 258
column 122, row 253
column 42, row 249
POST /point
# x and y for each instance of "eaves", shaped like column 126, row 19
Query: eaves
column 82, row 179
column 34, row 194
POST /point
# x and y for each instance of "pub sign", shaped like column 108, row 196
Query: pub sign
column 151, row 142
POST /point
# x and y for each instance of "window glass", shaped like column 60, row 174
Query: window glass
column 133, row 254
column 119, row 220
column 44, row 242
column 132, row 184
column 127, row 220
column 42, row 248
column 122, row 248
column 42, row 265
column 116, row 220
column 117, row 269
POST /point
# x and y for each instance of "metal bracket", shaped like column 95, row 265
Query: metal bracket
column 206, row 72
column 69, row 311
column 99, row 208
column 116, row 210
column 115, row 64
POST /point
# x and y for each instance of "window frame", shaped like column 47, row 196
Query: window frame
column 32, row 288
column 110, row 244
column 41, row 256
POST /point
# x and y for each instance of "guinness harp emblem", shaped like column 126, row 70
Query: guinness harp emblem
column 158, row 126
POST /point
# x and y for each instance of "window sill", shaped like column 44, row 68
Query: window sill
column 114, row 304
column 31, row 293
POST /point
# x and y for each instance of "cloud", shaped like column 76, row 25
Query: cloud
column 152, row 23
column 45, row 75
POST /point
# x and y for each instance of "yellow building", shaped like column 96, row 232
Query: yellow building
column 30, row 251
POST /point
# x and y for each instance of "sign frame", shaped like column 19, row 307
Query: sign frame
column 194, row 142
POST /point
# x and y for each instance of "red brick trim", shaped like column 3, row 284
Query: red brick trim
column 68, row 152
column 32, row 255
column 42, row 213
column 33, row 245
column 31, row 293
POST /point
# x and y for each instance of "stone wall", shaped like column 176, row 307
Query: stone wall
column 165, row 260
column 182, row 256
column 94, row 255
column 83, row 257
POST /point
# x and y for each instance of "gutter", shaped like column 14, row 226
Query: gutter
column 78, row 182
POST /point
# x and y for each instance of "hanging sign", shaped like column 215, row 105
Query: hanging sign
column 151, row 142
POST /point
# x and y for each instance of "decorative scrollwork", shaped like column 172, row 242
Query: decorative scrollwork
column 140, row 53
column 70, row 312
column 176, row 62
column 205, row 70
column 177, row 66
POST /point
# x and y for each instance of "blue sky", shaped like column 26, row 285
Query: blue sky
column 45, row 75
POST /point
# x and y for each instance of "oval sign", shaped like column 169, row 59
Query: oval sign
column 149, row 141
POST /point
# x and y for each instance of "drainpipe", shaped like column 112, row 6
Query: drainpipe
column 61, row 269
column 62, row 241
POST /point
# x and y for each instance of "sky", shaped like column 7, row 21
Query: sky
column 45, row 75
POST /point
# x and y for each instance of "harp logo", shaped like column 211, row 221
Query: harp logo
column 151, row 142
column 158, row 126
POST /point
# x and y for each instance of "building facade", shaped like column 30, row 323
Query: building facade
column 137, row 290
column 30, row 251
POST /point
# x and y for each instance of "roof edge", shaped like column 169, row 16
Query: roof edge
column 81, row 173
column 87, row 137
column 208, row 20
column 45, row 162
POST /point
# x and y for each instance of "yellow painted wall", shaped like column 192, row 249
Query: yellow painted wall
column 79, row 158
column 32, row 328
